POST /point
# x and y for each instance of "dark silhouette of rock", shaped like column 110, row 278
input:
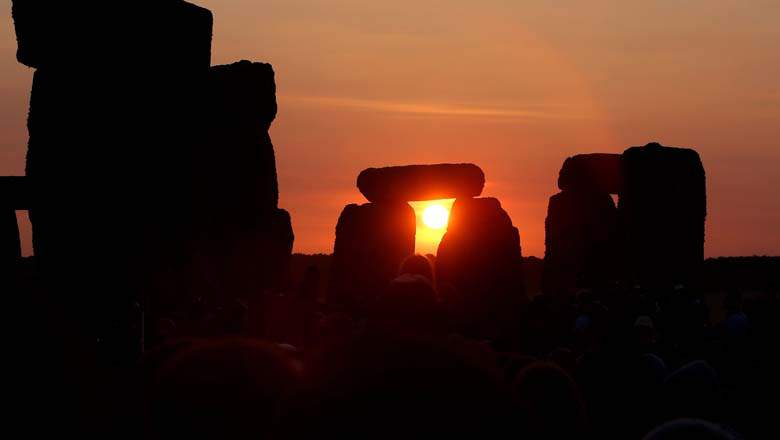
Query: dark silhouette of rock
column 244, row 233
column 596, row 172
column 479, row 267
column 421, row 182
column 114, row 112
column 13, row 197
column 580, row 228
column 372, row 240
column 114, row 128
column 238, row 168
column 580, row 241
column 243, row 95
column 113, row 104
column 93, row 32
column 14, row 193
column 662, row 211
column 252, row 256
column 657, row 236
column 10, row 245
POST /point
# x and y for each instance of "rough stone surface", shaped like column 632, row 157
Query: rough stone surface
column 96, row 140
column 242, row 232
column 421, row 182
column 372, row 240
column 598, row 172
column 10, row 245
column 14, row 192
column 662, row 212
column 236, row 164
column 13, row 197
column 580, row 242
column 96, row 32
column 255, row 256
column 114, row 112
column 243, row 95
column 479, row 267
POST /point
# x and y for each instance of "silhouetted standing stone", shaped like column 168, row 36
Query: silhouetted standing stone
column 13, row 196
column 95, row 32
column 479, row 267
column 421, row 182
column 253, row 256
column 372, row 241
column 580, row 241
column 113, row 106
column 15, row 192
column 245, row 234
column 595, row 172
column 238, row 164
column 581, row 225
column 111, row 119
column 10, row 245
column 662, row 212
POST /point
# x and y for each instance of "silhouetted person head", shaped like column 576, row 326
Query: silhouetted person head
column 394, row 384
column 408, row 300
column 564, row 358
column 548, row 403
column 221, row 389
column 155, row 357
column 232, row 317
column 689, row 429
column 693, row 391
column 512, row 363
column 417, row 265
column 309, row 287
column 644, row 331
column 636, row 398
column 733, row 301
column 334, row 327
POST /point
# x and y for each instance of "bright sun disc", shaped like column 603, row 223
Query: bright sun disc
column 435, row 216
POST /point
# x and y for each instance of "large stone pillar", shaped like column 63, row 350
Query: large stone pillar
column 114, row 110
column 479, row 268
column 13, row 197
column 245, row 237
column 662, row 211
column 10, row 245
column 581, row 225
column 580, row 242
column 372, row 240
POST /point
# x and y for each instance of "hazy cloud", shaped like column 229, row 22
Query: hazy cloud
column 423, row 108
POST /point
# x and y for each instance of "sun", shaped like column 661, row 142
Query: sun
column 435, row 216
column 432, row 218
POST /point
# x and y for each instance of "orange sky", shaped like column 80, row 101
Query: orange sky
column 514, row 86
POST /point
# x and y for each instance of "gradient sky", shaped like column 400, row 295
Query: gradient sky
column 513, row 86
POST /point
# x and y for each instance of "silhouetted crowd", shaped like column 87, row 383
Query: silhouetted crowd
column 607, row 363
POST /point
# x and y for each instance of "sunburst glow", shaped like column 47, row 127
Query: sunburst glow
column 432, row 219
column 435, row 216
